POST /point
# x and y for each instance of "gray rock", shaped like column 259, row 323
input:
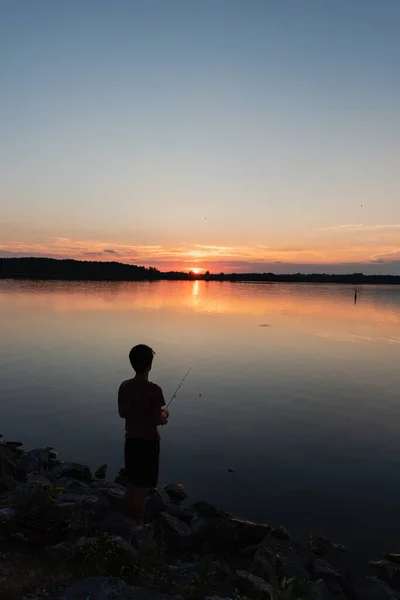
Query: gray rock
column 72, row 470
column 38, row 459
column 280, row 533
column 118, row 525
column 6, row 514
column 378, row 590
column 176, row 492
column 98, row 588
column 323, row 570
column 109, row 588
column 393, row 557
column 249, row 533
column 8, row 469
column 121, row 478
column 321, row 591
column 101, row 472
column 74, row 486
column 387, row 571
column 205, row 509
column 183, row 514
column 114, row 493
column 216, row 533
column 177, row 535
column 87, row 509
column 60, row 551
column 247, row 581
column 185, row 573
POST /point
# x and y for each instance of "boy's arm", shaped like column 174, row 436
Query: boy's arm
column 124, row 407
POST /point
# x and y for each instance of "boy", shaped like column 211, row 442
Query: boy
column 141, row 403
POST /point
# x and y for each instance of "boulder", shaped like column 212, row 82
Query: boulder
column 322, row 546
column 204, row 509
column 154, row 506
column 387, row 571
column 177, row 535
column 6, row 514
column 74, row 486
column 60, row 551
column 393, row 557
column 114, row 493
column 121, row 478
column 217, row 534
column 323, row 570
column 280, row 533
column 249, row 533
column 101, row 472
column 87, row 509
column 38, row 459
column 118, row 525
column 375, row 589
column 71, row 470
column 176, row 492
column 322, row 591
column 8, row 468
column 184, row 573
column 183, row 514
column 248, row 582
column 109, row 588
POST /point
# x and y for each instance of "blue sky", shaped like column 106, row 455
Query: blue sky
column 220, row 134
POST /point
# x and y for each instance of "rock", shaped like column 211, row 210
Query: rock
column 249, row 533
column 184, row 573
column 87, row 509
column 118, row 525
column 8, row 469
column 121, row 478
column 280, row 533
column 72, row 470
column 113, row 492
column 183, row 514
column 321, row 545
column 98, row 588
column 247, row 581
column 74, row 486
column 177, row 535
column 321, row 591
column 378, row 590
column 296, row 562
column 323, row 570
column 101, row 472
column 393, row 557
column 176, row 492
column 216, row 533
column 129, row 550
column 19, row 537
column 205, row 509
column 154, row 506
column 14, row 445
column 6, row 514
column 387, row 571
column 60, row 551
column 109, row 588
column 38, row 459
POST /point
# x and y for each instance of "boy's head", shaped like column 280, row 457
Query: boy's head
column 141, row 358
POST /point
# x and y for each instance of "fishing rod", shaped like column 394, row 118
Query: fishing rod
column 179, row 386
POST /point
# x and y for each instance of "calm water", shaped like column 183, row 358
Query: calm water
column 293, row 387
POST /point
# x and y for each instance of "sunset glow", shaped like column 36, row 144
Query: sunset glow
column 130, row 139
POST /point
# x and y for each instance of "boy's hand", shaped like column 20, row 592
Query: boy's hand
column 164, row 415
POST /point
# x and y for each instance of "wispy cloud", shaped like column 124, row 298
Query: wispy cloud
column 359, row 227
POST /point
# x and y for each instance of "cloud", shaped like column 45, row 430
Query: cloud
column 359, row 227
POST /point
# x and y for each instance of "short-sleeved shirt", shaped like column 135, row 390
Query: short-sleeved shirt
column 138, row 402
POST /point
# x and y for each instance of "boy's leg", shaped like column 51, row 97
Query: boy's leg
column 135, row 502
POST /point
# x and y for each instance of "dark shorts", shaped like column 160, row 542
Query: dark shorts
column 141, row 461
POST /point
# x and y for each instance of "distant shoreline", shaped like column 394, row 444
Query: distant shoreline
column 51, row 269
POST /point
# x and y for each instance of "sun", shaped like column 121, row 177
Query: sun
column 196, row 271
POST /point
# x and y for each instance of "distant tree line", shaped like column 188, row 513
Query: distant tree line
column 77, row 270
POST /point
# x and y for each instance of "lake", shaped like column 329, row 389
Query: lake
column 293, row 387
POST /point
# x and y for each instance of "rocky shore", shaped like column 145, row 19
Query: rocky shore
column 64, row 536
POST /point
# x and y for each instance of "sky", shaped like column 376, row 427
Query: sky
column 229, row 135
